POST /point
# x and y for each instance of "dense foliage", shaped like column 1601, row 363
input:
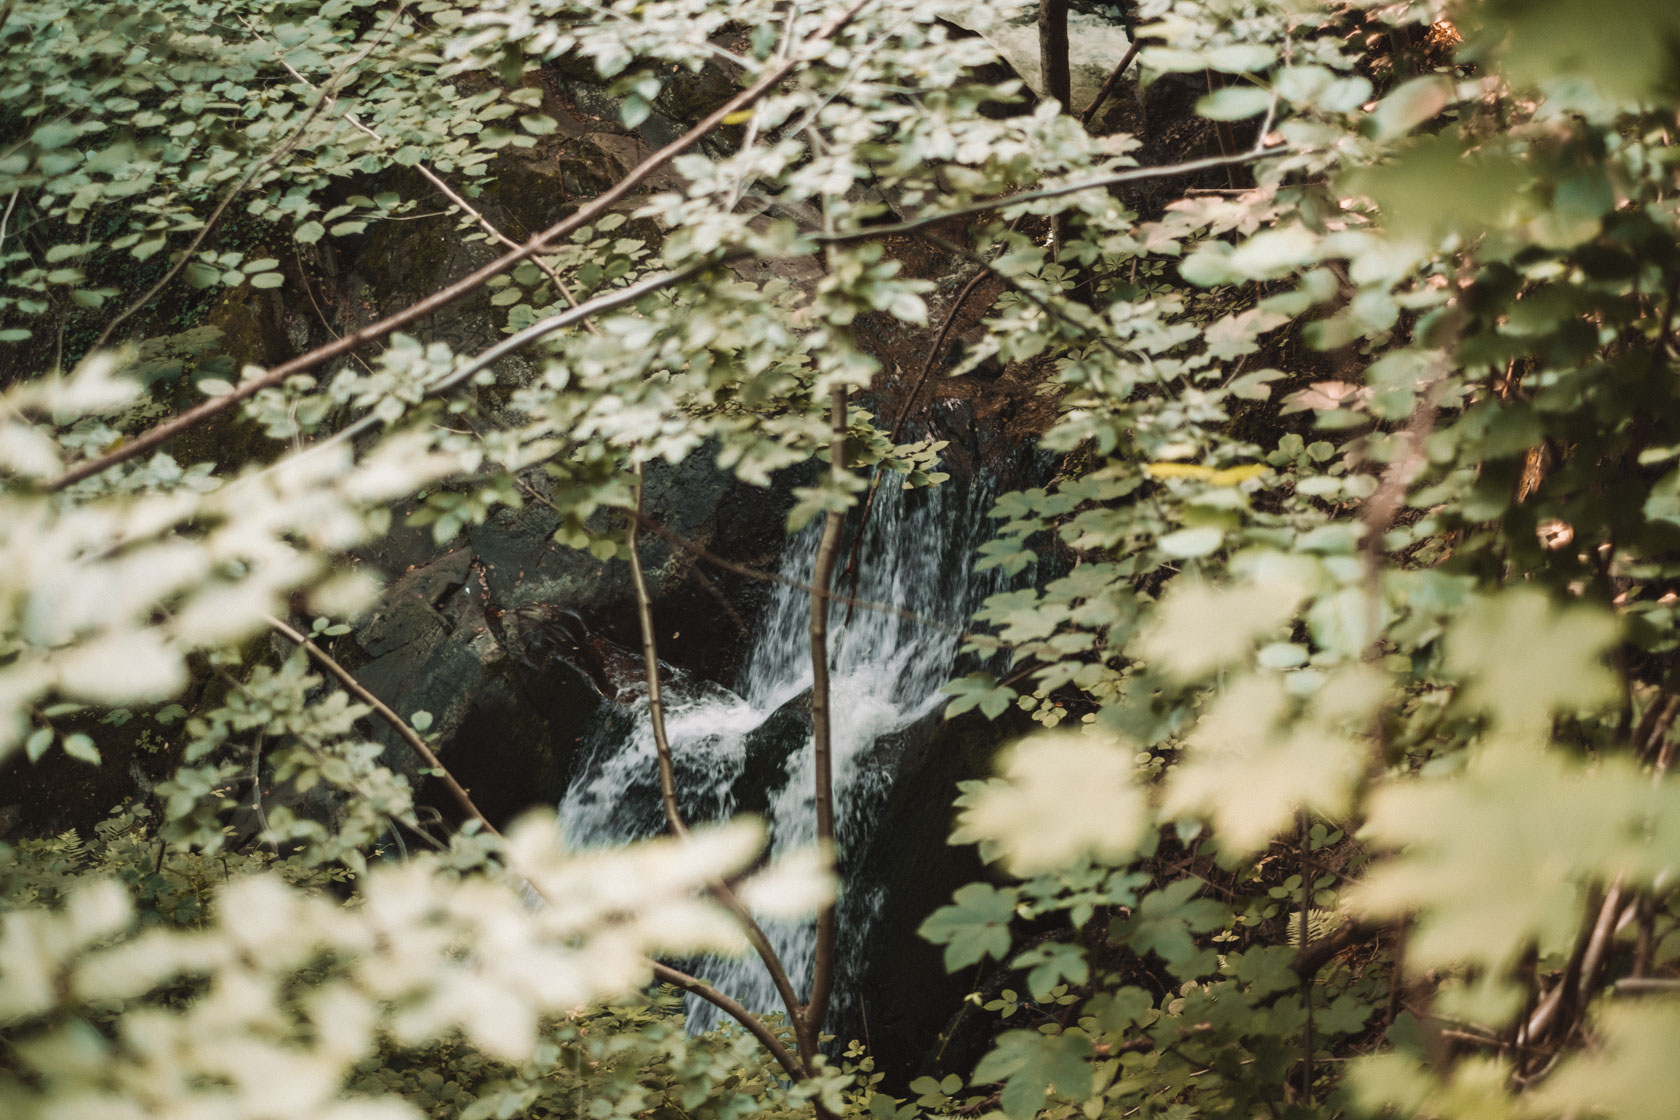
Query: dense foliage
column 1353, row 792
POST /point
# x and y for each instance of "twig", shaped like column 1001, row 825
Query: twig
column 650, row 664
column 1037, row 299
column 776, row 577
column 408, row 734
column 1306, row 941
column 1555, row 1014
column 327, row 95
column 668, row 776
column 609, row 302
column 1131, row 175
column 669, row 975
column 1646, row 985
column 755, row 1026
column 448, row 192
column 853, row 569
column 822, row 747
column 6, row 219
column 448, row 294
column 1310, row 958
column 1109, row 83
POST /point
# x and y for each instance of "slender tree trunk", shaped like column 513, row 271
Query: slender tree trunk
column 1053, row 51
column 822, row 745
column 1058, row 83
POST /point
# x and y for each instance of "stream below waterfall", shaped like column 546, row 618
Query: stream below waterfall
column 747, row 749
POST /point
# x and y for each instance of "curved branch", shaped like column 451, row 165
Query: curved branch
column 650, row 667
column 409, row 735
column 755, row 1026
column 1109, row 83
column 442, row 187
column 1130, row 175
column 448, row 294
column 326, row 96
column 666, row 973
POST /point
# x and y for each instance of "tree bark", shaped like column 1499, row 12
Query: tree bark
column 1053, row 51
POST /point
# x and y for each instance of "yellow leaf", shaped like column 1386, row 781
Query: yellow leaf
column 1231, row 476
column 1178, row 470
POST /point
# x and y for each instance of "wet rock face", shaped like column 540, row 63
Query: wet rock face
column 520, row 648
column 905, row 999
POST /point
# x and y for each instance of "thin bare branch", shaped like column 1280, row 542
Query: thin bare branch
column 854, row 558
column 1118, row 178
column 326, row 96
column 776, row 577
column 443, row 297
column 400, row 725
column 755, row 1026
column 668, row 773
column 822, row 744
column 650, row 666
column 442, row 187
column 1109, row 83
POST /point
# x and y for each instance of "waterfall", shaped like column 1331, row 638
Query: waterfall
column 747, row 749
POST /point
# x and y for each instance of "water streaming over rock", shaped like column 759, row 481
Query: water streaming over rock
column 748, row 749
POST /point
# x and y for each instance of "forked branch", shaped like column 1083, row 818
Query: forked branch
column 731, row 1007
column 443, row 297
column 668, row 782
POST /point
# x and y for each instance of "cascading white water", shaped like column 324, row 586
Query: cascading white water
column 886, row 671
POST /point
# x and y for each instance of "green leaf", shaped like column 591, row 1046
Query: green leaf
column 1409, row 105
column 1061, row 797
column 978, row 690
column 1526, row 659
column 1165, row 919
column 635, row 110
column 80, row 747
column 200, row 275
column 1052, row 963
column 1237, row 58
column 1234, row 103
column 1188, row 543
column 1031, row 1065
column 975, row 927
column 310, row 232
